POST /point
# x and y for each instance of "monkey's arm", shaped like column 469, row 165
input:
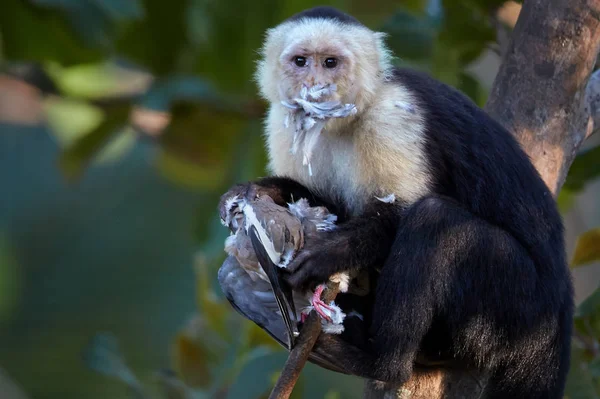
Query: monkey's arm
column 361, row 242
column 445, row 266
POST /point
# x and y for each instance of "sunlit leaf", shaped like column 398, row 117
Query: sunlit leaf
column 98, row 80
column 70, row 119
column 587, row 249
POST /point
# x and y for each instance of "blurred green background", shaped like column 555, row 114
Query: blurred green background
column 121, row 123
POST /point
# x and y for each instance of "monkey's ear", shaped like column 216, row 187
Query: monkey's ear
column 281, row 290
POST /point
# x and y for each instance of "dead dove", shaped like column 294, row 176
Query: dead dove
column 266, row 236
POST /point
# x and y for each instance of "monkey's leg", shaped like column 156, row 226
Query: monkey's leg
column 477, row 287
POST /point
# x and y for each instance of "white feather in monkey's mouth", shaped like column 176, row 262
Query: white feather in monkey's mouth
column 309, row 115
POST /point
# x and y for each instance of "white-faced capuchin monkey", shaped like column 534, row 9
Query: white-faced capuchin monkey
column 467, row 243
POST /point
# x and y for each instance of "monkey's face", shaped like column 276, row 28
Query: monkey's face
column 309, row 64
column 319, row 51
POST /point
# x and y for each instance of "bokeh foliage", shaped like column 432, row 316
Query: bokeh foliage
column 191, row 62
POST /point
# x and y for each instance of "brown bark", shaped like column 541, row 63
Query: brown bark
column 539, row 93
column 299, row 355
column 540, row 96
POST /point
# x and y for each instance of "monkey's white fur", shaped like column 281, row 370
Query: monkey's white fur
column 378, row 151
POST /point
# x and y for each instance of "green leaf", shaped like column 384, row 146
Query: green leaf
column 193, row 154
column 587, row 249
column 97, row 80
column 256, row 378
column 10, row 279
column 587, row 316
column 594, row 367
column 192, row 361
column 156, row 42
column 590, row 306
column 70, row 120
column 95, row 20
column 466, row 30
column 411, row 36
column 566, row 198
column 22, row 25
column 103, row 356
column 74, row 159
column 446, row 64
column 213, row 309
column 119, row 9
column 174, row 89
column 226, row 49
column 584, row 169
column 471, row 87
column 580, row 383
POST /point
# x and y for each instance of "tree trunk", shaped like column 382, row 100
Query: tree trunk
column 540, row 96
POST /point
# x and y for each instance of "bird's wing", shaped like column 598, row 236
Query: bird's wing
column 281, row 290
column 282, row 228
column 255, row 300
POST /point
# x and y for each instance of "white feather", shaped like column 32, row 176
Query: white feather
column 387, row 199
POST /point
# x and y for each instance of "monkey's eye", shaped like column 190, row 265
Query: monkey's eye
column 330, row 63
column 300, row 61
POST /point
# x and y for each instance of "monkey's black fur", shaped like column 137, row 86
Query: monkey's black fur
column 475, row 272
column 325, row 13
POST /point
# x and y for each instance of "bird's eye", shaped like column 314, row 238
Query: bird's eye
column 300, row 61
column 330, row 63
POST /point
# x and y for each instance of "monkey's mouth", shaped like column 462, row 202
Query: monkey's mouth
column 308, row 115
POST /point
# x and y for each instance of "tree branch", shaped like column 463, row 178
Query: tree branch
column 542, row 95
column 592, row 95
column 299, row 355
column 539, row 93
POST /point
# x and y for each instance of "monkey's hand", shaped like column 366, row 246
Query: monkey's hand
column 323, row 255
column 357, row 244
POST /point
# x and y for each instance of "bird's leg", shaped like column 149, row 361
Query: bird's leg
column 319, row 305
